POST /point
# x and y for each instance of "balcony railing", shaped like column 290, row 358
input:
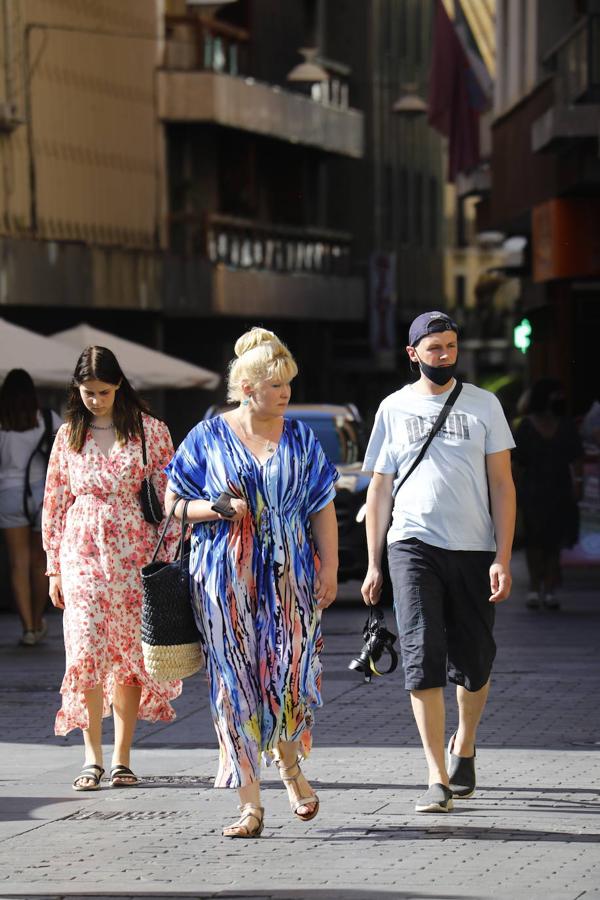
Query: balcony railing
column 202, row 44
column 248, row 244
column 575, row 61
column 194, row 42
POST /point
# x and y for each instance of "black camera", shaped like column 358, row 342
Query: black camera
column 377, row 641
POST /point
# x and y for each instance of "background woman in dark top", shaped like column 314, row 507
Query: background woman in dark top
column 24, row 445
column 548, row 459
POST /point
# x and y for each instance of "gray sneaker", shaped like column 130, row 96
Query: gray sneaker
column 437, row 798
column 461, row 773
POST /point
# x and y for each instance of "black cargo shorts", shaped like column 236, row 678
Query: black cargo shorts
column 445, row 620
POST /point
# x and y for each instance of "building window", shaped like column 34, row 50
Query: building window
column 386, row 21
column 418, row 204
column 402, row 20
column 433, row 212
column 388, row 204
column 460, row 291
column 461, row 223
column 503, row 57
column 404, row 207
column 418, row 33
column 524, row 39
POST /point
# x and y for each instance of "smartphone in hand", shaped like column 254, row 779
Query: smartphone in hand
column 223, row 506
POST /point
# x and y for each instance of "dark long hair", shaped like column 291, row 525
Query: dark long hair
column 100, row 364
column 18, row 402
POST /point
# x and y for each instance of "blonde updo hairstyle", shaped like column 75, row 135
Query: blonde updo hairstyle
column 260, row 356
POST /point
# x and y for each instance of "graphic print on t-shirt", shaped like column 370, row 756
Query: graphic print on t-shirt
column 456, row 426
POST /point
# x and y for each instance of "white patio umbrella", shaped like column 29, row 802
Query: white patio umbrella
column 146, row 369
column 49, row 362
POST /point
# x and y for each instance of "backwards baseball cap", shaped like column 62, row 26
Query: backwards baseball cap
column 430, row 323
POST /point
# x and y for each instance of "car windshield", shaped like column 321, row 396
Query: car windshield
column 341, row 437
column 336, row 435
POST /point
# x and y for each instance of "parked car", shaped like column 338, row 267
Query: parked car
column 340, row 430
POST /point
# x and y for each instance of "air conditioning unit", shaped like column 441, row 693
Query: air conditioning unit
column 8, row 117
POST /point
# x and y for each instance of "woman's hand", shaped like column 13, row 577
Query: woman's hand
column 325, row 586
column 55, row 591
column 240, row 509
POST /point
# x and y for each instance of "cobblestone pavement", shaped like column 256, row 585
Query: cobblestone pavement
column 531, row 831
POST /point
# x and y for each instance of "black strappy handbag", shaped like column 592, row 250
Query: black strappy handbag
column 170, row 637
column 151, row 507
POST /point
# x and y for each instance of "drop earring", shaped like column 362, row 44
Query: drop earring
column 245, row 402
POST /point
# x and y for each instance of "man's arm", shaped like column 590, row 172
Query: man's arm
column 503, row 508
column 379, row 512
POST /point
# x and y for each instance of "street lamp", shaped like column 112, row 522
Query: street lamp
column 309, row 70
column 409, row 103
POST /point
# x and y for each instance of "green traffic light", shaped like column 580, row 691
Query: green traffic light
column 522, row 335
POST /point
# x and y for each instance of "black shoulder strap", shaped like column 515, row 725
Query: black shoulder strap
column 143, row 437
column 47, row 438
column 43, row 446
column 436, row 427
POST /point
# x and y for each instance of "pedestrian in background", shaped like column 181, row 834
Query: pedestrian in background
column 548, row 468
column 258, row 587
column 96, row 540
column 449, row 546
column 26, row 435
column 590, row 427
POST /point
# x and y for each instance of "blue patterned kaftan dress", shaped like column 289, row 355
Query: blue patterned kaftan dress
column 253, row 588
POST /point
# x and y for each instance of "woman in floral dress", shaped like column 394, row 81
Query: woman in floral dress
column 258, row 585
column 96, row 540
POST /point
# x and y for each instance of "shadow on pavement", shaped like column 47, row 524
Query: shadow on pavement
column 462, row 833
column 20, row 809
column 304, row 894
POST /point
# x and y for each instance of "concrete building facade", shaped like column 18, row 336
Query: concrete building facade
column 545, row 172
column 162, row 178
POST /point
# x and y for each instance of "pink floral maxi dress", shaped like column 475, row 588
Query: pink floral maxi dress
column 96, row 538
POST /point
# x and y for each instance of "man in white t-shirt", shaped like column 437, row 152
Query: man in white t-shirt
column 449, row 545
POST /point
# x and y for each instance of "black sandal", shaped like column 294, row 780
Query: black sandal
column 122, row 772
column 92, row 773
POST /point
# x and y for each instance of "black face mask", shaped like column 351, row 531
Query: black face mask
column 558, row 405
column 440, row 375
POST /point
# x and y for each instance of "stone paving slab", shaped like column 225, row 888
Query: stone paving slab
column 532, row 831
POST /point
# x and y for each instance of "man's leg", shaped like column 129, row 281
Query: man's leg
column 471, row 652
column 417, row 574
column 430, row 716
column 470, row 709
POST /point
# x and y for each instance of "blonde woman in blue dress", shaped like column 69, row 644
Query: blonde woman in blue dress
column 261, row 576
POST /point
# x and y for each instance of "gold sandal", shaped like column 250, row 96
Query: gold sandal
column 240, row 829
column 311, row 800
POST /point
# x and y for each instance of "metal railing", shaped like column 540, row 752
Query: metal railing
column 575, row 62
column 199, row 43
column 249, row 244
column 195, row 42
column 334, row 92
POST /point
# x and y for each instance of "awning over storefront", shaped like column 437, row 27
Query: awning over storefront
column 147, row 369
column 49, row 362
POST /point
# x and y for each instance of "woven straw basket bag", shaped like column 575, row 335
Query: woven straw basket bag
column 170, row 637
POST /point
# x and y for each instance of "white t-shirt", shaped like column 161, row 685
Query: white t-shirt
column 445, row 501
column 15, row 449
